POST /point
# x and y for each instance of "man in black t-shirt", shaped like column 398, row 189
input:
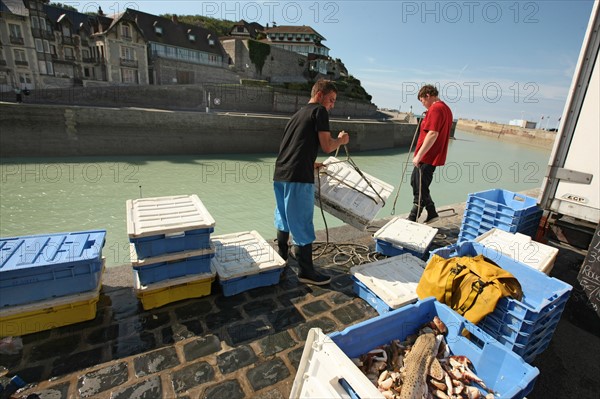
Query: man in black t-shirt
column 293, row 180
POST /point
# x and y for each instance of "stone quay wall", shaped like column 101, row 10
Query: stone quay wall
column 29, row 130
column 535, row 137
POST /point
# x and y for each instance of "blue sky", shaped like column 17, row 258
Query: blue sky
column 492, row 60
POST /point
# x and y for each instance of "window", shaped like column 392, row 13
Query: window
column 39, row 45
column 42, row 66
column 85, row 54
column 192, row 37
column 3, row 78
column 126, row 31
column 15, row 30
column 24, row 78
column 127, row 53
column 20, row 56
column 53, row 49
column 66, row 30
column 46, row 46
column 35, row 22
column 69, row 53
column 43, row 25
column 128, row 75
column 158, row 30
column 50, row 67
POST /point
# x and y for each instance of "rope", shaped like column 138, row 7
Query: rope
column 404, row 169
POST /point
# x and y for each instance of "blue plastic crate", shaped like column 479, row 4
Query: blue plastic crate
column 156, row 245
column 370, row 297
column 389, row 249
column 496, row 327
column 168, row 269
column 494, row 214
column 517, row 323
column 484, row 224
column 240, row 284
column 507, row 202
column 539, row 290
column 40, row 267
column 501, row 370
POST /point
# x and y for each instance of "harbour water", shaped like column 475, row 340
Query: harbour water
column 49, row 195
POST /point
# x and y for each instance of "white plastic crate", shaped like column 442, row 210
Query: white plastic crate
column 389, row 283
column 347, row 195
column 405, row 236
column 162, row 225
column 244, row 261
column 520, row 247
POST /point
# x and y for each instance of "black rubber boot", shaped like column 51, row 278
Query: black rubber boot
column 308, row 274
column 415, row 213
column 432, row 214
column 283, row 247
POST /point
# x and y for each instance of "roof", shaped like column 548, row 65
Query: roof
column 77, row 19
column 293, row 29
column 253, row 28
column 15, row 7
column 174, row 33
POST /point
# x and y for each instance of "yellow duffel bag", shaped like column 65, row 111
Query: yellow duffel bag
column 472, row 286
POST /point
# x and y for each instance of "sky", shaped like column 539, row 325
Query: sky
column 491, row 60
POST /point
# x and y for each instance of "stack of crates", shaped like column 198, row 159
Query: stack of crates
column 525, row 326
column 244, row 261
column 502, row 209
column 49, row 281
column 400, row 236
column 170, row 248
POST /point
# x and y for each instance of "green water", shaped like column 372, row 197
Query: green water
column 40, row 196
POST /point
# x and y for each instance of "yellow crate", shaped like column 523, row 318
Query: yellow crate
column 44, row 315
column 159, row 294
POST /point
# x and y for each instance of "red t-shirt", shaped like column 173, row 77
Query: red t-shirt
column 438, row 119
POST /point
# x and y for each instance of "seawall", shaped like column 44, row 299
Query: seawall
column 34, row 130
column 535, row 137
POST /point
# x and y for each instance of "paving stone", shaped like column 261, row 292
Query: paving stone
column 227, row 302
column 56, row 347
column 191, row 376
column 201, row 346
column 133, row 345
column 343, row 283
column 267, row 373
column 101, row 380
column 235, row 359
column 275, row 343
column 340, row 298
column 313, row 308
column 248, row 331
column 155, row 361
column 193, row 309
column 272, row 394
column 124, row 304
column 179, row 332
column 103, row 335
column 324, row 323
column 150, row 321
column 259, row 308
column 283, row 319
column 292, row 297
column 295, row 356
column 147, row 389
column 76, row 362
column 217, row 320
column 316, row 291
column 352, row 313
column 263, row 292
column 230, row 389
column 59, row 391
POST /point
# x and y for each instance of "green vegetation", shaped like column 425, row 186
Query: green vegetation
column 258, row 52
column 63, row 6
column 221, row 27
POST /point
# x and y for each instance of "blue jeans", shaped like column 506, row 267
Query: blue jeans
column 294, row 210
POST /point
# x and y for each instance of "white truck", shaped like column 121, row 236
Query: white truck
column 570, row 193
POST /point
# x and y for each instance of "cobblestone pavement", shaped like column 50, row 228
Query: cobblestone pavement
column 249, row 345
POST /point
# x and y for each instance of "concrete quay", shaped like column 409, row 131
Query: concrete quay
column 249, row 345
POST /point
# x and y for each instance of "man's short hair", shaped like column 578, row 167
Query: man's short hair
column 427, row 89
column 324, row 86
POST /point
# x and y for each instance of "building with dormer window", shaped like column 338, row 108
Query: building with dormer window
column 248, row 30
column 302, row 40
column 18, row 65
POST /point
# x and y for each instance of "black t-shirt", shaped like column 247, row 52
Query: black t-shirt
column 300, row 145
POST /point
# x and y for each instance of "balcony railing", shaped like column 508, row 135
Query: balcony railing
column 69, row 58
column 49, row 35
column 23, row 63
column 129, row 63
column 128, row 38
column 67, row 40
column 17, row 40
column 3, row 63
column 85, row 42
column 37, row 33
column 87, row 59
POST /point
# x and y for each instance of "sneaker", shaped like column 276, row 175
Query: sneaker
column 314, row 278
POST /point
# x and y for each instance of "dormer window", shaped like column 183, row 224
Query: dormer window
column 126, row 31
column 157, row 29
column 191, row 36
column 211, row 41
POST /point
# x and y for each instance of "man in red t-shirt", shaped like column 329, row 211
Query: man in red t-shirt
column 432, row 147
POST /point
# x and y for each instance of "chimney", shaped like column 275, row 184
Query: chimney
column 174, row 19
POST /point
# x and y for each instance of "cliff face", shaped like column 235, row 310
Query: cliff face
column 535, row 137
